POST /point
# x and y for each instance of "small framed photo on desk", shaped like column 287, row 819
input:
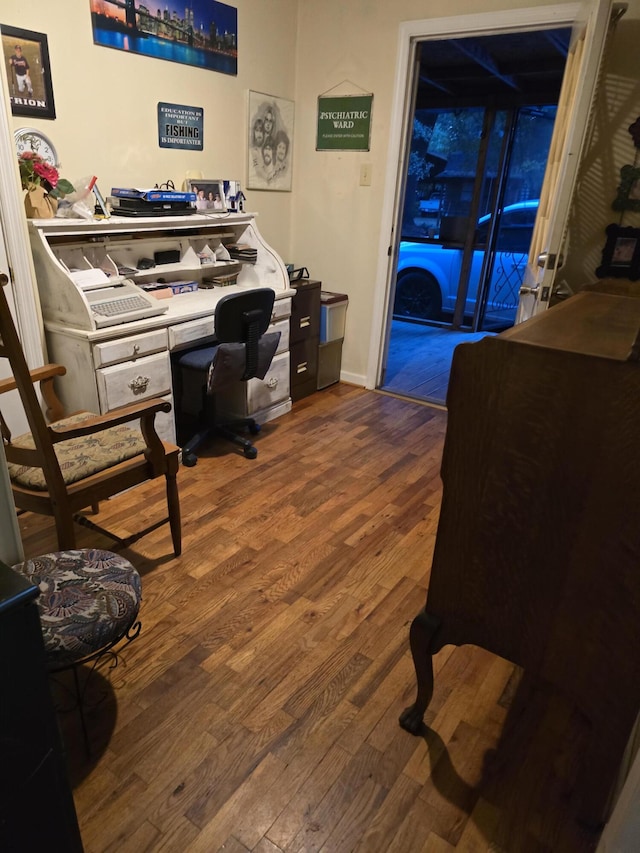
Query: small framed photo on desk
column 209, row 195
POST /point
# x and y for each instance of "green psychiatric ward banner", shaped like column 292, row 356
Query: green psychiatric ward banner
column 344, row 123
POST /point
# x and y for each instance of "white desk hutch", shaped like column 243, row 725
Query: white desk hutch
column 119, row 360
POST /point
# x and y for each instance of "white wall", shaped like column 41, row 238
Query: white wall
column 609, row 149
column 299, row 49
column 336, row 230
column 106, row 101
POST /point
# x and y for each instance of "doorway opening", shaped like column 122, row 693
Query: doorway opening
column 477, row 151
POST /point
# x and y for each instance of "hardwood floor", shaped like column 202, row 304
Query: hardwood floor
column 258, row 709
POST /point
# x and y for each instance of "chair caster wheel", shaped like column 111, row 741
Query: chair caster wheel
column 189, row 459
column 250, row 452
column 254, row 429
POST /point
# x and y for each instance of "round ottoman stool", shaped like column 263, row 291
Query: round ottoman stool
column 89, row 601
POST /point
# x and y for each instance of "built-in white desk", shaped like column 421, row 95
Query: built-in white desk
column 113, row 365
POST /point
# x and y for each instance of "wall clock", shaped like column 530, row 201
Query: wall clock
column 30, row 139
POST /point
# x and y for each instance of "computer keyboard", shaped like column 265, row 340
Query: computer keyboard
column 112, row 307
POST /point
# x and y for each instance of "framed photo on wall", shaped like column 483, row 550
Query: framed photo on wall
column 628, row 197
column 26, row 57
column 209, row 192
column 270, row 142
column 621, row 253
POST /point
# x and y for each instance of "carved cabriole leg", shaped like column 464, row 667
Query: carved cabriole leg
column 423, row 630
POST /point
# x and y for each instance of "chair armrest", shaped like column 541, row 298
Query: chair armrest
column 45, row 376
column 136, row 411
column 39, row 374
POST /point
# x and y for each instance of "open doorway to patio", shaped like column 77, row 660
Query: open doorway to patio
column 482, row 124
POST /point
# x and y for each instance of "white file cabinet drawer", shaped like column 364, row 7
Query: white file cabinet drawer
column 131, row 348
column 123, row 384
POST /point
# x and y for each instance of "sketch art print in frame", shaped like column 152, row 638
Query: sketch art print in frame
column 270, row 142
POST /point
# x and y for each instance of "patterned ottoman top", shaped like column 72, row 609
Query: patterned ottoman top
column 88, row 601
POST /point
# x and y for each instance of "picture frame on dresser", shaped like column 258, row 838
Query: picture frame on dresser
column 210, row 197
column 26, row 56
column 621, row 253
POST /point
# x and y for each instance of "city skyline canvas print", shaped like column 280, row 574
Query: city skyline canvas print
column 203, row 33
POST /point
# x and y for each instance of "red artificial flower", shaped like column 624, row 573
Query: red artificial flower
column 46, row 172
column 36, row 172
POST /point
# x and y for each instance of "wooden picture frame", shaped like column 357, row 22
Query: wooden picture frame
column 210, row 196
column 628, row 197
column 30, row 86
column 621, row 253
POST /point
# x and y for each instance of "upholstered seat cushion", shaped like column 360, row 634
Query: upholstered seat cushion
column 80, row 457
column 88, row 601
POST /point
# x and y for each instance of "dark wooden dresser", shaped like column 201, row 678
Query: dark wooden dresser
column 37, row 811
column 537, row 555
column 304, row 337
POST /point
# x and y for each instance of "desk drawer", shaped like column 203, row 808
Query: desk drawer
column 263, row 393
column 281, row 309
column 184, row 334
column 126, row 349
column 281, row 326
column 122, row 384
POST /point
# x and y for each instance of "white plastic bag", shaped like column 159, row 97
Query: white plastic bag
column 79, row 204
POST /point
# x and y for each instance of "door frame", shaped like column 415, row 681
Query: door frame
column 409, row 35
column 15, row 243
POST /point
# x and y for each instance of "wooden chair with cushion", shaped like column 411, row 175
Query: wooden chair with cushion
column 67, row 464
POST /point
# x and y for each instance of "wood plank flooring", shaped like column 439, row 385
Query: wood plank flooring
column 258, row 709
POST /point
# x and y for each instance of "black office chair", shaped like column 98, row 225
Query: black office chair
column 243, row 351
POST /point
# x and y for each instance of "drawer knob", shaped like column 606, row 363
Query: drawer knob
column 136, row 349
column 272, row 383
column 139, row 384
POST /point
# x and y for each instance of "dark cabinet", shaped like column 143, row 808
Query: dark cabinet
column 538, row 543
column 37, row 811
column 304, row 337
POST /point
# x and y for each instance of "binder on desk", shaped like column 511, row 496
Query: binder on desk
column 152, row 194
